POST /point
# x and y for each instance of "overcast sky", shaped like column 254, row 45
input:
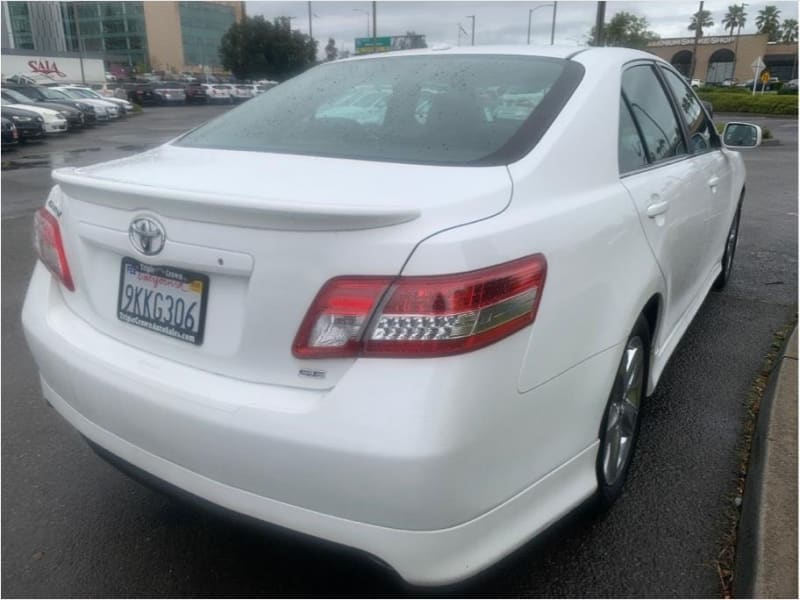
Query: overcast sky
column 496, row 22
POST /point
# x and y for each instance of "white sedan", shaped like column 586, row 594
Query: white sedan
column 426, row 336
column 104, row 108
column 54, row 121
column 79, row 92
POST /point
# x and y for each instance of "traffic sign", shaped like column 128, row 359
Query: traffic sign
column 765, row 77
column 758, row 65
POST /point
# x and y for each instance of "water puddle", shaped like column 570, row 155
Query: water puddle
column 64, row 158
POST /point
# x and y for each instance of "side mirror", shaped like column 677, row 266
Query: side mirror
column 741, row 135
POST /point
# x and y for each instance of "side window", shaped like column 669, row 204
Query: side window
column 702, row 135
column 652, row 111
column 631, row 151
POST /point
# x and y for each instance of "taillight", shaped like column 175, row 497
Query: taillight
column 421, row 316
column 50, row 247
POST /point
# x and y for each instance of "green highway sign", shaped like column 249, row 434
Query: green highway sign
column 370, row 45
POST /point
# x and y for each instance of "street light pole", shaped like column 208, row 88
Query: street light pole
column 374, row 20
column 472, row 43
column 553, row 27
column 80, row 39
column 310, row 32
column 530, row 12
column 366, row 13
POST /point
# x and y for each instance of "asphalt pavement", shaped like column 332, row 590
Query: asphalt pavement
column 74, row 526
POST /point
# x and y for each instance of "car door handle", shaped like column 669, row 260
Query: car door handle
column 657, row 208
column 713, row 181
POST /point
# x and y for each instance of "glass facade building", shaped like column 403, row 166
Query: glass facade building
column 202, row 26
column 116, row 29
column 130, row 34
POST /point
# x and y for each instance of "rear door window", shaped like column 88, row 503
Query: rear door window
column 652, row 110
column 702, row 135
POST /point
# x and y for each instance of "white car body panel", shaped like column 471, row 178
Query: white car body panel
column 53, row 123
column 438, row 466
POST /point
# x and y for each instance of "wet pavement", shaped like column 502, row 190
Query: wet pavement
column 74, row 526
column 25, row 168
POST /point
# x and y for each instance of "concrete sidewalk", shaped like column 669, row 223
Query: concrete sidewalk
column 766, row 551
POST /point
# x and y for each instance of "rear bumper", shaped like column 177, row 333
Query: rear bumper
column 407, row 487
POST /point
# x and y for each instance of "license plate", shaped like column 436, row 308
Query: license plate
column 167, row 300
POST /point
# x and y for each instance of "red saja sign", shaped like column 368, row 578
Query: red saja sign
column 45, row 67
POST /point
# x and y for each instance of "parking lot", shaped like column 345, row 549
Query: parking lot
column 74, row 526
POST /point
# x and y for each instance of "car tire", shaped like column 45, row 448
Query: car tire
column 730, row 250
column 619, row 429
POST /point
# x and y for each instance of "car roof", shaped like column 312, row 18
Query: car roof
column 565, row 52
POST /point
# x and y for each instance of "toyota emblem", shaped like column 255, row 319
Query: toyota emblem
column 147, row 235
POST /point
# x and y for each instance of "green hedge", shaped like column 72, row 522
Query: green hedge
column 766, row 104
column 788, row 92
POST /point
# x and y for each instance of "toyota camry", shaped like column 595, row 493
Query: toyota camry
column 410, row 303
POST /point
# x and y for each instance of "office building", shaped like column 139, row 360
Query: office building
column 132, row 36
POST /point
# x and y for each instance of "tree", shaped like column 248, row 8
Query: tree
column 735, row 18
column 626, row 30
column 257, row 48
column 703, row 17
column 768, row 22
column 331, row 52
column 789, row 31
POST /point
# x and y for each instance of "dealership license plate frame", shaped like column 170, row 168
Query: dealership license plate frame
column 170, row 273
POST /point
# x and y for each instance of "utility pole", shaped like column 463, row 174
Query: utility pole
column 80, row 40
column 310, row 33
column 374, row 20
column 599, row 24
column 698, row 22
column 736, row 46
column 553, row 27
column 472, row 43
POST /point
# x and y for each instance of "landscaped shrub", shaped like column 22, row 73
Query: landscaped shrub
column 788, row 92
column 765, row 104
column 723, row 90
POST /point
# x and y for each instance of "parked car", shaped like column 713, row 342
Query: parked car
column 123, row 106
column 424, row 339
column 772, row 84
column 52, row 99
column 10, row 135
column 55, row 121
column 169, row 93
column 196, row 94
column 104, row 108
column 141, row 94
column 30, row 126
column 217, row 92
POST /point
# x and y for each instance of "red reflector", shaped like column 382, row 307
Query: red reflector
column 422, row 316
column 50, row 247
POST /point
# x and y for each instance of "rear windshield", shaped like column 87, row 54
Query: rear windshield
column 418, row 109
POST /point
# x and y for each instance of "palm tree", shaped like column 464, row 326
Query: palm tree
column 735, row 18
column 704, row 18
column 768, row 22
column 789, row 31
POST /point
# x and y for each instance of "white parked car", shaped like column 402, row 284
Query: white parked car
column 103, row 109
column 429, row 336
column 54, row 121
column 123, row 106
column 218, row 92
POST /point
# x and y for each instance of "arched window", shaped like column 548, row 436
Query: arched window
column 682, row 61
column 720, row 66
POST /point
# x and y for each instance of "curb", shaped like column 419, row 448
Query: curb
column 766, row 549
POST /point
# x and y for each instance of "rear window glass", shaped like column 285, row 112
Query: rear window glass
column 419, row 109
